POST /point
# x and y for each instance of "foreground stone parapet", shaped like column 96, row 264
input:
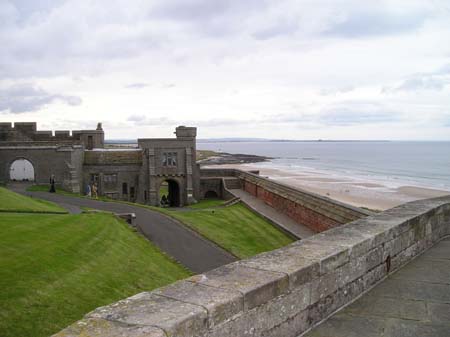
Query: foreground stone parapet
column 148, row 309
column 99, row 327
column 220, row 303
column 280, row 293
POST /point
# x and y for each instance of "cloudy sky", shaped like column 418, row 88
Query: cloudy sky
column 292, row 69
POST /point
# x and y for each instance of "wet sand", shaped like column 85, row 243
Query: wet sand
column 375, row 196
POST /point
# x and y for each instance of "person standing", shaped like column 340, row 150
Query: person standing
column 88, row 190
column 52, row 184
column 94, row 191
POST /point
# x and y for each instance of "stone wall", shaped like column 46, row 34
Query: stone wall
column 317, row 212
column 283, row 292
column 185, row 173
column 27, row 132
column 61, row 161
column 113, row 157
column 217, row 185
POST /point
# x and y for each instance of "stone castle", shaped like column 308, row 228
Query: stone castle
column 80, row 158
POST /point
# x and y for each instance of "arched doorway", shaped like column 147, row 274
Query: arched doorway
column 211, row 195
column 169, row 193
column 21, row 170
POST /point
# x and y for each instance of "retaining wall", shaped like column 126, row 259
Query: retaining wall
column 283, row 292
column 310, row 209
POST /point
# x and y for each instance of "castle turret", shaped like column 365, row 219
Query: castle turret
column 184, row 132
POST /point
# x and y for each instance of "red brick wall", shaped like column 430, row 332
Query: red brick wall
column 250, row 188
column 314, row 220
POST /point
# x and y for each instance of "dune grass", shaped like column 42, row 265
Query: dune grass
column 14, row 202
column 235, row 228
column 56, row 268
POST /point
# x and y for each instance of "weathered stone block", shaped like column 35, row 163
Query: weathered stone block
column 329, row 283
column 257, row 286
column 266, row 316
column 329, row 304
column 290, row 328
column 328, row 256
column 374, row 276
column 221, row 304
column 392, row 247
column 287, row 260
column 380, row 230
column 147, row 309
column 92, row 327
column 355, row 240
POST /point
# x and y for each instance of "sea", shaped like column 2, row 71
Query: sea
column 391, row 163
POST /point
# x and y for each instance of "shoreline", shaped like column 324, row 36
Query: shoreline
column 356, row 192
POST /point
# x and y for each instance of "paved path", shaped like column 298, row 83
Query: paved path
column 186, row 246
column 282, row 220
column 415, row 301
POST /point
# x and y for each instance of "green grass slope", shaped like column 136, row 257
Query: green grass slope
column 13, row 202
column 56, row 268
column 235, row 228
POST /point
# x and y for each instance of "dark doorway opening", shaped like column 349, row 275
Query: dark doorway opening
column 211, row 195
column 169, row 194
column 132, row 193
column 124, row 188
column 90, row 144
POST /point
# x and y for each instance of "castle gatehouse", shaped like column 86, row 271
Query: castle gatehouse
column 79, row 159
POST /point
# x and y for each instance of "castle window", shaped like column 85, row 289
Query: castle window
column 110, row 180
column 124, row 188
column 169, row 159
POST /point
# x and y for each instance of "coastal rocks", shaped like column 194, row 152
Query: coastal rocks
column 220, row 158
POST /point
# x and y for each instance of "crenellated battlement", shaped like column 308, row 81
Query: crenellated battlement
column 27, row 132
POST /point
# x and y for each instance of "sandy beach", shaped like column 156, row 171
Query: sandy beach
column 375, row 196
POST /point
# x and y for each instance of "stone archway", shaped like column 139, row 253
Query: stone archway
column 169, row 193
column 21, row 169
column 211, row 195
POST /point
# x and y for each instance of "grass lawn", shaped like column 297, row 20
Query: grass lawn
column 235, row 228
column 164, row 189
column 46, row 188
column 207, row 203
column 56, row 268
column 13, row 202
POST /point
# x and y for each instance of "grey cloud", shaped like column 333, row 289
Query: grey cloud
column 50, row 37
column 435, row 80
column 335, row 91
column 375, row 22
column 419, row 83
column 345, row 113
column 137, row 85
column 191, row 9
column 164, row 121
column 157, row 121
column 168, row 85
column 209, row 18
column 281, row 28
column 136, row 118
column 29, row 98
column 354, row 113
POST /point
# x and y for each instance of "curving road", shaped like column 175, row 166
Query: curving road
column 184, row 245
